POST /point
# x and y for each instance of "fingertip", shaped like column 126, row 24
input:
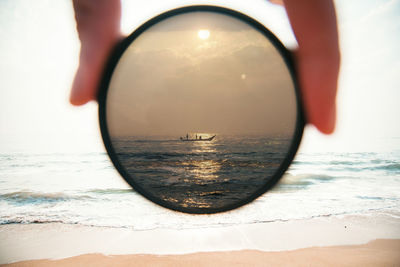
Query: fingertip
column 79, row 96
column 84, row 87
column 81, row 99
column 326, row 129
column 326, row 124
column 78, row 101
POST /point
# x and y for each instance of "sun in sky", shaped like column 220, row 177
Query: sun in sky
column 203, row 34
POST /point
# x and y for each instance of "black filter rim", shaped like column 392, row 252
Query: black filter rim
column 107, row 75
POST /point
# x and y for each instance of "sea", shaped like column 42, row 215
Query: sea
column 197, row 175
column 85, row 189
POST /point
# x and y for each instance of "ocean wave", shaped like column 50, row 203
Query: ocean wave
column 149, row 155
column 301, row 181
column 199, row 223
column 378, row 161
column 370, row 198
column 342, row 162
column 111, row 191
column 314, row 162
column 29, row 197
column 388, row 167
column 304, row 179
column 31, row 221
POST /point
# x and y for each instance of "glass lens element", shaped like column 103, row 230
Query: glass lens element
column 201, row 110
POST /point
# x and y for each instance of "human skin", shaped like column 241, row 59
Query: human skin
column 98, row 25
column 317, row 58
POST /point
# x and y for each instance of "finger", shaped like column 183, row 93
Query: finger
column 317, row 59
column 98, row 26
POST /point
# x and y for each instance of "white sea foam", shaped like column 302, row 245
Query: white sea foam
column 85, row 189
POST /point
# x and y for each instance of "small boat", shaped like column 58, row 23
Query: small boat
column 198, row 138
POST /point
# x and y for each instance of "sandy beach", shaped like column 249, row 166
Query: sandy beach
column 325, row 241
column 382, row 252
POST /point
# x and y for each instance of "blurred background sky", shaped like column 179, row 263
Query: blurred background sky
column 39, row 51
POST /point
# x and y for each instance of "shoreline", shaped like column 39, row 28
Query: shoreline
column 21, row 242
column 380, row 252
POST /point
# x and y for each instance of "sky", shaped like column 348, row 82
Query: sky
column 39, row 51
column 214, row 74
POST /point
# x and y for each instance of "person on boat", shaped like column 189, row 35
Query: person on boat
column 187, row 136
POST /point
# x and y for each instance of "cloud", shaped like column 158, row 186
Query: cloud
column 200, row 20
column 161, row 93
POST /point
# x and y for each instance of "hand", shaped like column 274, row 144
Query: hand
column 98, row 25
column 317, row 58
